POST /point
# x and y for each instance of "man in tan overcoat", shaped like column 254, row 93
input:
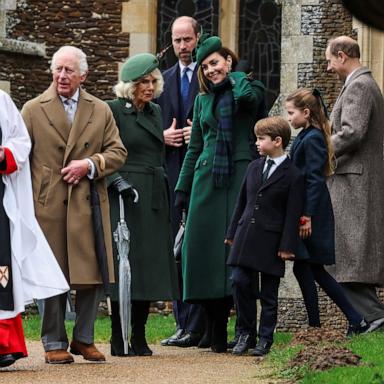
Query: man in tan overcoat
column 74, row 139
column 357, row 186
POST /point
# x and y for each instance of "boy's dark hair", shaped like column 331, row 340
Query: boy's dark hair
column 273, row 127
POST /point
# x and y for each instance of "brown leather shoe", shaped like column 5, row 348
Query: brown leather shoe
column 88, row 351
column 58, row 356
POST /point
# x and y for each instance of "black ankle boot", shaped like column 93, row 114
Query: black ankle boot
column 139, row 345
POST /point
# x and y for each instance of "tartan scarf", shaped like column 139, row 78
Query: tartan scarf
column 223, row 167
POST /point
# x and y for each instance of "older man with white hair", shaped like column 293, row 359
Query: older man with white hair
column 74, row 139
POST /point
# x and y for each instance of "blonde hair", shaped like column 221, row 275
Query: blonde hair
column 305, row 98
column 127, row 89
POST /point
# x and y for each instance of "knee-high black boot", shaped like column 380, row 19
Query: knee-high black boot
column 140, row 311
column 117, row 343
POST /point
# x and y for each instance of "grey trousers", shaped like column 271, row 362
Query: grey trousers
column 53, row 333
column 364, row 298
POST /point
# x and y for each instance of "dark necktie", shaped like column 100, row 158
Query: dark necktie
column 264, row 176
column 184, row 89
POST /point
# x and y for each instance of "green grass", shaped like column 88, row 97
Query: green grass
column 158, row 328
column 371, row 371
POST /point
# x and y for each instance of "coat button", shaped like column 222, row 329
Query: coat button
column 61, row 148
column 204, row 162
column 65, row 202
column 260, row 194
column 253, row 221
column 86, row 145
column 257, row 206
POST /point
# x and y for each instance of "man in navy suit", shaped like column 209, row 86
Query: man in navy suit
column 176, row 101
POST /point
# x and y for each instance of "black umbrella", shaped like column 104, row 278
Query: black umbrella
column 98, row 232
column 180, row 236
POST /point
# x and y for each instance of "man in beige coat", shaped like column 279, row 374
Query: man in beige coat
column 357, row 186
column 74, row 139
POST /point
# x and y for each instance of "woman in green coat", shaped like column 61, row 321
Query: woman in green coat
column 220, row 149
column 151, row 258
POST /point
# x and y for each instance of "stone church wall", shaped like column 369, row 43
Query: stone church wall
column 93, row 26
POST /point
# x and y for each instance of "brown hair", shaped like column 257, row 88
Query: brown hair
column 203, row 81
column 306, row 98
column 273, row 127
column 344, row 44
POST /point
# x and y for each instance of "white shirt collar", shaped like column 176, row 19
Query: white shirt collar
column 349, row 76
column 75, row 96
column 277, row 160
column 191, row 66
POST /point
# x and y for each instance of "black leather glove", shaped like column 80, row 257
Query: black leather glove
column 181, row 200
column 124, row 188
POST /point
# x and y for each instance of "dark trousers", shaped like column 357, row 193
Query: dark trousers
column 364, row 299
column 306, row 275
column 190, row 317
column 248, row 285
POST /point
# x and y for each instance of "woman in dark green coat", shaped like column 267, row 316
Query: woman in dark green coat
column 220, row 149
column 151, row 254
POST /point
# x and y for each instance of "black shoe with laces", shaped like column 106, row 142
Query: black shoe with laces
column 244, row 343
column 262, row 348
column 356, row 329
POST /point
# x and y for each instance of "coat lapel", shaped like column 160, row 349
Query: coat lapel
column 83, row 116
column 193, row 90
column 149, row 123
column 54, row 111
column 276, row 175
column 207, row 100
column 174, row 85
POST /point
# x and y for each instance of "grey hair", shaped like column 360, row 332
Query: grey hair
column 81, row 56
column 127, row 89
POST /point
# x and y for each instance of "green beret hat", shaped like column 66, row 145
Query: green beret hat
column 138, row 66
column 205, row 46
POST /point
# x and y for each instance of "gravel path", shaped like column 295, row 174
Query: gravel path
column 168, row 365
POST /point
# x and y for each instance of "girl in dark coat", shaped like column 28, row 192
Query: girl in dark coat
column 312, row 153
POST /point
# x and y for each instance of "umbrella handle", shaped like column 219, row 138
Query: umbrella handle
column 109, row 307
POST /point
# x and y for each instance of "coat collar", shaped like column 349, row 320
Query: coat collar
column 143, row 118
column 276, row 175
column 54, row 111
column 299, row 138
column 361, row 71
column 83, row 117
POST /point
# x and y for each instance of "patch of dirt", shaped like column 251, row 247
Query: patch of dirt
column 322, row 358
column 311, row 336
column 319, row 351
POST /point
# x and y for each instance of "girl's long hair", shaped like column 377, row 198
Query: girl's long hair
column 311, row 99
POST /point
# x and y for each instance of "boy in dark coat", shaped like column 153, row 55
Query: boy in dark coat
column 264, row 232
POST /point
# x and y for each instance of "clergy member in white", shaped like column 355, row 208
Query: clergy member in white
column 28, row 268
